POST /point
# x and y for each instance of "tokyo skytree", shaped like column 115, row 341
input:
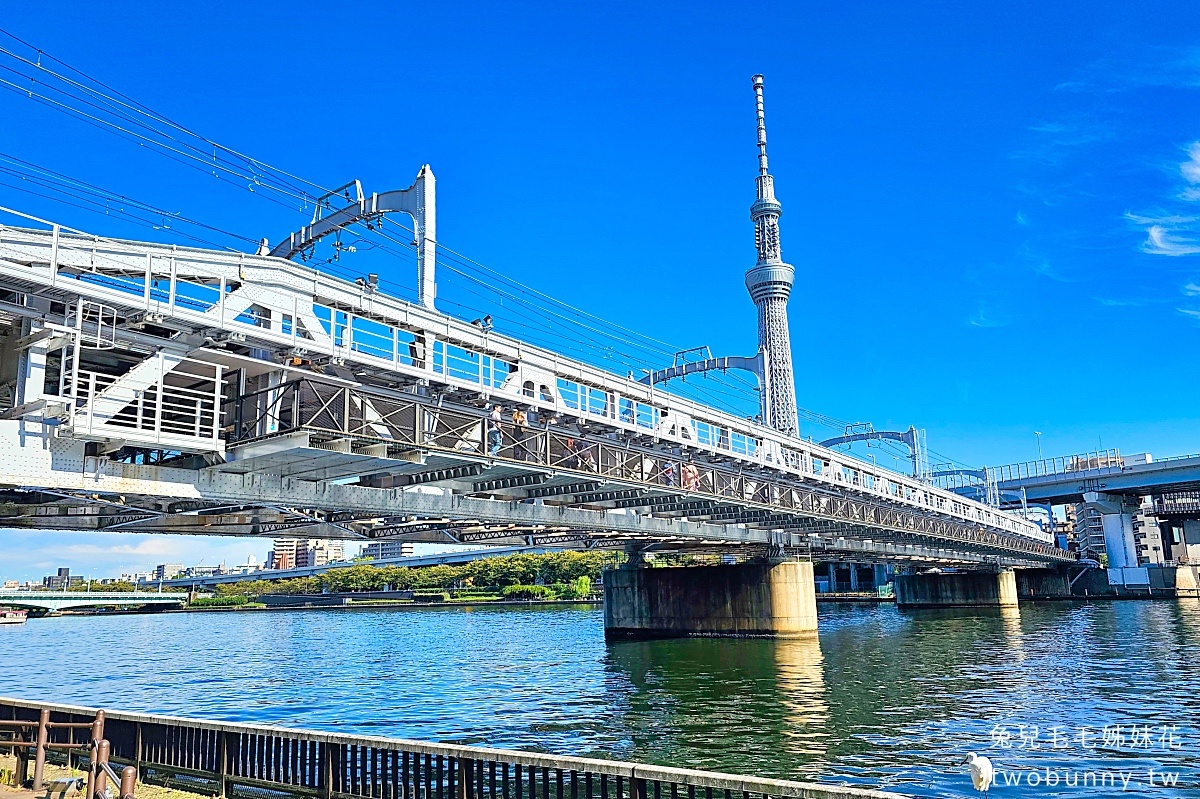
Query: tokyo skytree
column 770, row 285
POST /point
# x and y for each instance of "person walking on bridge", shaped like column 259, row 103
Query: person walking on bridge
column 520, row 428
column 494, row 437
column 691, row 477
column 587, row 455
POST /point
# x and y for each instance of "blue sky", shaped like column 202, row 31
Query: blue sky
column 993, row 208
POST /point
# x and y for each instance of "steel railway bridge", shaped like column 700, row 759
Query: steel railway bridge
column 157, row 388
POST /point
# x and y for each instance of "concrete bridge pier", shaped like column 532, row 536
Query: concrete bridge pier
column 768, row 599
column 957, row 589
column 1116, row 513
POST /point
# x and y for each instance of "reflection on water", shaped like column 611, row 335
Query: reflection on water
column 703, row 703
column 1189, row 622
column 800, row 680
column 883, row 698
column 1010, row 617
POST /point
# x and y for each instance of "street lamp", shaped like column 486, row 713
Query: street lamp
column 1038, row 433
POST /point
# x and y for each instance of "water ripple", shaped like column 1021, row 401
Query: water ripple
column 883, row 698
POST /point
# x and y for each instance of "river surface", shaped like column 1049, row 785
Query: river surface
column 884, row 698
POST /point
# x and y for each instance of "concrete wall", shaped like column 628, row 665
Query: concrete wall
column 956, row 589
column 1093, row 582
column 1119, row 541
column 1043, row 583
column 1187, row 581
column 1164, row 581
column 332, row 598
column 748, row 599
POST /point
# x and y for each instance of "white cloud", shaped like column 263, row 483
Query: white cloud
column 32, row 554
column 1190, row 169
column 1173, row 233
column 986, row 317
column 1160, row 241
column 1129, row 70
column 1161, row 219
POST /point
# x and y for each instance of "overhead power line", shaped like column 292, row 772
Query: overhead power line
column 31, row 72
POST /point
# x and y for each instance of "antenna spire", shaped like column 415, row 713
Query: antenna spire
column 762, row 126
column 770, row 285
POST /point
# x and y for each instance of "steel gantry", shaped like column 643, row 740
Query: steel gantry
column 158, row 388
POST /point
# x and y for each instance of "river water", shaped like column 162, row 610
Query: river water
column 884, row 698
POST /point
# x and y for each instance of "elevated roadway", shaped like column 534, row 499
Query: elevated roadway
column 1069, row 479
column 1063, row 480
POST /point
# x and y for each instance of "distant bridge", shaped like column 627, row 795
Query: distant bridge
column 1067, row 479
column 1108, row 486
column 62, row 600
column 1061, row 480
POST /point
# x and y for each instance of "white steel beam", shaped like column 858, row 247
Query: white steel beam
column 297, row 308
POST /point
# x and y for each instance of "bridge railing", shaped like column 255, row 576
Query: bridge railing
column 378, row 424
column 396, row 424
column 225, row 759
column 1067, row 464
column 168, row 411
column 1177, row 503
column 1167, row 458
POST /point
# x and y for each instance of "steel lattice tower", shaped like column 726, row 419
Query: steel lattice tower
column 770, row 285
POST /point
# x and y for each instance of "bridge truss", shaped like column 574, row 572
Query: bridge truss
column 157, row 388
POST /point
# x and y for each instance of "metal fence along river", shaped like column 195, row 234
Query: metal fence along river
column 226, row 760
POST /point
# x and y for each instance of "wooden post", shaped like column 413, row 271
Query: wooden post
column 100, row 786
column 466, row 771
column 22, row 772
column 39, row 757
column 94, row 753
column 128, row 782
column 91, row 775
column 98, row 727
column 222, row 765
column 327, row 752
column 137, row 748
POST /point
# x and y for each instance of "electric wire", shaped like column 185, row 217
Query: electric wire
column 261, row 178
column 89, row 192
column 142, row 125
column 127, row 104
